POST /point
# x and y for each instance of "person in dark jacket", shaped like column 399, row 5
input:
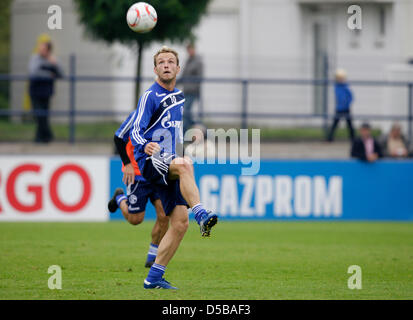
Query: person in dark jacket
column 43, row 70
column 344, row 98
column 365, row 147
column 192, row 88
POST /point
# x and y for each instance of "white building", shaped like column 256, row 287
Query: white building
column 248, row 39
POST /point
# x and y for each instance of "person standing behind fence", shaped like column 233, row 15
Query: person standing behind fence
column 43, row 70
column 344, row 98
column 193, row 69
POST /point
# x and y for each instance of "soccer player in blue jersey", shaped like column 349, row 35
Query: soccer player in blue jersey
column 133, row 204
column 156, row 135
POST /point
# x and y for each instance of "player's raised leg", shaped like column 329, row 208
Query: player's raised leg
column 120, row 200
column 182, row 169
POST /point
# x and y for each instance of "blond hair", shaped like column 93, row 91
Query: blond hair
column 165, row 49
column 341, row 74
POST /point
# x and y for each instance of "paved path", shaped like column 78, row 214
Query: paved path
column 306, row 150
column 282, row 150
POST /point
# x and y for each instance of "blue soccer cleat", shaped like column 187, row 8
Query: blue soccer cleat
column 206, row 224
column 161, row 284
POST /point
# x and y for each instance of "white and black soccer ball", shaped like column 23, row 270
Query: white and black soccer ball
column 141, row 17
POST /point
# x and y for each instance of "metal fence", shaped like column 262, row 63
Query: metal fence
column 246, row 113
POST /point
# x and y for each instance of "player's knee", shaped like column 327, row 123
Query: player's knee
column 190, row 163
column 182, row 225
column 185, row 166
column 163, row 220
column 135, row 219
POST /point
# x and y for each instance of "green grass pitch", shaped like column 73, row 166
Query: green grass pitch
column 242, row 260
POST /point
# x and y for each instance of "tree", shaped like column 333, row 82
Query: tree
column 106, row 20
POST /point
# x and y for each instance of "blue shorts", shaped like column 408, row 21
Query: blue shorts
column 156, row 168
column 170, row 196
column 138, row 194
column 155, row 171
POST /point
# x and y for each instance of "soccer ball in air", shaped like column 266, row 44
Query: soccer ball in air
column 141, row 17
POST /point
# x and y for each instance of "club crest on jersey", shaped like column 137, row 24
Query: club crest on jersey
column 167, row 123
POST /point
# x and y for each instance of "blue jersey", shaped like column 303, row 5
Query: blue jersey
column 158, row 118
column 124, row 129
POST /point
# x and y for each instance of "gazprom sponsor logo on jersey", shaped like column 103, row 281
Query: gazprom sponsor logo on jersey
column 167, row 123
column 279, row 196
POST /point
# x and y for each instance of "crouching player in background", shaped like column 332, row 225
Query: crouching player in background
column 133, row 204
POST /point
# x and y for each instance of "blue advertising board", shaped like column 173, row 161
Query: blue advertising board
column 302, row 190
